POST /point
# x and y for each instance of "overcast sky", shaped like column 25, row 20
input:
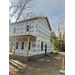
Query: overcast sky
column 53, row 9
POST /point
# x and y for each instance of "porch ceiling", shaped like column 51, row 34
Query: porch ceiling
column 23, row 36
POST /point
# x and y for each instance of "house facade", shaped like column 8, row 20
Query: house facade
column 30, row 37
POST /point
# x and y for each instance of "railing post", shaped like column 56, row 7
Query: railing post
column 28, row 46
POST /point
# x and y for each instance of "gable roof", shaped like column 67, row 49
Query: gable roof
column 33, row 19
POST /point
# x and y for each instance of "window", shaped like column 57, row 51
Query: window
column 29, row 45
column 14, row 30
column 27, row 28
column 16, row 45
column 22, row 46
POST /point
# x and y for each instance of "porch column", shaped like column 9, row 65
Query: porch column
column 28, row 46
column 14, row 46
column 9, row 46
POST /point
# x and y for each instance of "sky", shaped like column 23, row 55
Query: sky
column 53, row 9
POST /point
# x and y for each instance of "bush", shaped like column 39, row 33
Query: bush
column 57, row 44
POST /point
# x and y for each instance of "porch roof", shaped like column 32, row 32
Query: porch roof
column 23, row 36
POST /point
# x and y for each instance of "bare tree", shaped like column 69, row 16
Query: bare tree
column 60, row 29
column 18, row 7
column 32, row 14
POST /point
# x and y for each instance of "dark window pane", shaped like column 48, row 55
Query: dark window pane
column 22, row 46
column 16, row 45
column 27, row 28
column 29, row 45
column 22, row 43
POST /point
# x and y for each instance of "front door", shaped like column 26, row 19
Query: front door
column 45, row 48
column 42, row 46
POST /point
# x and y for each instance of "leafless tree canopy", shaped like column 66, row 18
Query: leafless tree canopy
column 59, row 27
column 32, row 14
column 17, row 7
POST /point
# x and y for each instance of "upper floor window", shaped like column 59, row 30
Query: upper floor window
column 27, row 28
column 14, row 30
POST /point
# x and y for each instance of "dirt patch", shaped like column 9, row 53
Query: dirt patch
column 46, row 65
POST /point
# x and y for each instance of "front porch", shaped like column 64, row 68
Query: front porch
column 26, row 38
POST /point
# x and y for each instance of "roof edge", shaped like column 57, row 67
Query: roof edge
column 33, row 19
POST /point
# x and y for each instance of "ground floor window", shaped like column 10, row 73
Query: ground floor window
column 16, row 45
column 22, row 46
column 29, row 45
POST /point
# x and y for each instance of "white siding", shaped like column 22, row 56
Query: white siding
column 43, row 33
column 38, row 27
column 21, row 28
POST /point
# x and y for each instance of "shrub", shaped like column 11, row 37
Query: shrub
column 57, row 44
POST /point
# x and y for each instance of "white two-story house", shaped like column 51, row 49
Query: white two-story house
column 30, row 37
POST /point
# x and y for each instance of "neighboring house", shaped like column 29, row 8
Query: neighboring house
column 30, row 37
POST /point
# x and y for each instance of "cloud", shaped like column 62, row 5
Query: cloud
column 53, row 8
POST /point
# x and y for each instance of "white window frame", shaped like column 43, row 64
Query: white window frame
column 21, row 46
